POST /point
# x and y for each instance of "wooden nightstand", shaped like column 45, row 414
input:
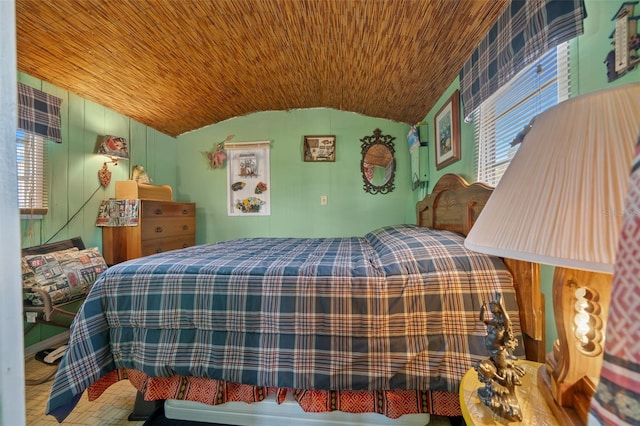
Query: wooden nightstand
column 534, row 408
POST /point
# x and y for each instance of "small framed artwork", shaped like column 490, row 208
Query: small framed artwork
column 320, row 148
column 447, row 128
column 248, row 178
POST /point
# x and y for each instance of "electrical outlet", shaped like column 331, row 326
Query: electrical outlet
column 31, row 316
column 323, row 200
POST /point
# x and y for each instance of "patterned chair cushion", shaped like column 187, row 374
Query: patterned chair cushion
column 66, row 275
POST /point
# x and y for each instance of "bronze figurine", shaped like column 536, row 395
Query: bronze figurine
column 499, row 373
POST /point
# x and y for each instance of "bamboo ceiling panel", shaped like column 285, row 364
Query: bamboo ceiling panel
column 179, row 65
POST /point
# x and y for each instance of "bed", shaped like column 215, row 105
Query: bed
column 384, row 323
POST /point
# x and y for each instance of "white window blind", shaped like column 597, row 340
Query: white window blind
column 499, row 119
column 32, row 184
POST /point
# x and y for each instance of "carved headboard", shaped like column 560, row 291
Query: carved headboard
column 454, row 205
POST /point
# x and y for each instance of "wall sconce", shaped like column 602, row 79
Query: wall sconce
column 115, row 148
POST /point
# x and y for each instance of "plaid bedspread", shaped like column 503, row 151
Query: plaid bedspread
column 395, row 309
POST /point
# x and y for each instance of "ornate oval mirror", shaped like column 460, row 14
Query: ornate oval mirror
column 378, row 165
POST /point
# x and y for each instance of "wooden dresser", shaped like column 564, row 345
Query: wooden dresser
column 164, row 226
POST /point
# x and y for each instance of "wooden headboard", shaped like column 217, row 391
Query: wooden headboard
column 454, row 205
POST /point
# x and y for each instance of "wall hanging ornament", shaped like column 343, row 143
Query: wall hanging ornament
column 217, row 156
column 104, row 175
column 248, row 184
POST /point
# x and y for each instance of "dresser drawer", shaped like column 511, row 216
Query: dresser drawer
column 152, row 209
column 163, row 227
column 166, row 244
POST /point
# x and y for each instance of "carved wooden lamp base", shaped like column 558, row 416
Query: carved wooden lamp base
column 571, row 372
column 575, row 415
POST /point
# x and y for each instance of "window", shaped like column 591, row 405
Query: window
column 32, row 187
column 38, row 121
column 499, row 119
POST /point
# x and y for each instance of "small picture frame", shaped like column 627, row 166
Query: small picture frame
column 447, row 132
column 319, row 148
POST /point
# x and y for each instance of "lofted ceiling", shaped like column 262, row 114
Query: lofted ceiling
column 179, row 65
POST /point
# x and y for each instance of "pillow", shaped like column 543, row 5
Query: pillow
column 41, row 265
column 406, row 249
column 66, row 275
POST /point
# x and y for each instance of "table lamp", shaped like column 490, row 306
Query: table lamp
column 560, row 203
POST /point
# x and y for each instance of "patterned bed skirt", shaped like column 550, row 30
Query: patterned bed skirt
column 392, row 404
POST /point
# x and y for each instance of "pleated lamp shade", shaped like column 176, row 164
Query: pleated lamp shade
column 561, row 200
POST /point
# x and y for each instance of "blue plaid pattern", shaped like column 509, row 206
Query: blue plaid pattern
column 523, row 33
column 39, row 113
column 371, row 313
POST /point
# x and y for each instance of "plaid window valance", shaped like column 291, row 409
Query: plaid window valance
column 524, row 32
column 39, row 113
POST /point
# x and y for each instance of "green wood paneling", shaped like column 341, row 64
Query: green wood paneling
column 72, row 170
column 73, row 165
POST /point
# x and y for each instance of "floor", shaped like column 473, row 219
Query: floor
column 112, row 408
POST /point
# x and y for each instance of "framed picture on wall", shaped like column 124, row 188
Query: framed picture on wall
column 248, row 178
column 447, row 128
column 320, row 148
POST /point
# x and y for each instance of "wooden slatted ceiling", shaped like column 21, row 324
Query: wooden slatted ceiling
column 179, row 65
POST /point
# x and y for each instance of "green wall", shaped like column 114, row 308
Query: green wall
column 72, row 166
column 296, row 186
column 592, row 47
column 588, row 73
column 72, row 171
column 466, row 165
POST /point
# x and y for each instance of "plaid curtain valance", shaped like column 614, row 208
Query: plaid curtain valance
column 39, row 113
column 524, row 32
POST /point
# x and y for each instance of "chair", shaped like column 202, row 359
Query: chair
column 49, row 312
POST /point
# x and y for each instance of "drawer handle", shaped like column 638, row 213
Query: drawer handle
column 159, row 229
column 185, row 245
column 158, row 211
column 185, row 211
column 185, row 227
column 158, row 250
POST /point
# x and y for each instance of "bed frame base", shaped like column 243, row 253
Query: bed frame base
column 143, row 409
column 269, row 413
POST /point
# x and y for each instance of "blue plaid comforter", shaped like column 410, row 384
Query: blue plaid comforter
column 395, row 309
